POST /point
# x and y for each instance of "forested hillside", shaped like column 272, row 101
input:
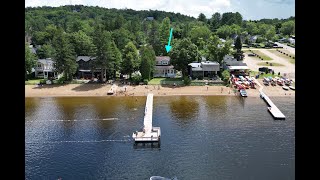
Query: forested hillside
column 114, row 35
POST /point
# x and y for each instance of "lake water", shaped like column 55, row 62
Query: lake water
column 202, row 137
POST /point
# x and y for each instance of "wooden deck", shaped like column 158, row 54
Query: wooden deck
column 149, row 133
column 276, row 113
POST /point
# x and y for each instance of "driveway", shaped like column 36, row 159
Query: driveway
column 291, row 49
column 288, row 68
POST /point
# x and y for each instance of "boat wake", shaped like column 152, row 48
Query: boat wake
column 62, row 120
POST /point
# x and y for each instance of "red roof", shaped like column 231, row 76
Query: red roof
column 161, row 58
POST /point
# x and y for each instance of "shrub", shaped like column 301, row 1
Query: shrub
column 136, row 77
column 186, row 80
column 225, row 75
column 42, row 81
column 145, row 81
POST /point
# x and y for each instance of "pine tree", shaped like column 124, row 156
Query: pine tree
column 64, row 55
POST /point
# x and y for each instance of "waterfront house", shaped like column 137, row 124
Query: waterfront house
column 235, row 67
column 85, row 67
column 45, row 69
column 163, row 67
column 203, row 70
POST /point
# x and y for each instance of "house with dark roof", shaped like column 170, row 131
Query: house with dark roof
column 85, row 69
column 203, row 70
column 163, row 67
column 234, row 66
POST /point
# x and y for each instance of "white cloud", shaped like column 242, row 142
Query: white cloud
column 187, row 7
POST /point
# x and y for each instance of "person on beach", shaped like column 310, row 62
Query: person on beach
column 125, row 88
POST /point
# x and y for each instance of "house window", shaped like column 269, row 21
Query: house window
column 164, row 62
column 39, row 65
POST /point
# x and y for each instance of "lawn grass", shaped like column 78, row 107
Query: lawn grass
column 262, row 55
column 253, row 57
column 291, row 60
column 273, row 64
column 32, row 81
column 261, row 76
column 165, row 81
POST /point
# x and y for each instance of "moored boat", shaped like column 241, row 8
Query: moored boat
column 285, row 87
column 292, row 87
column 243, row 93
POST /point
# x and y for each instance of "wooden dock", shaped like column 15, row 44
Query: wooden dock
column 276, row 113
column 148, row 133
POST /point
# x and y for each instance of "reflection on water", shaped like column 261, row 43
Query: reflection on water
column 184, row 108
column 212, row 137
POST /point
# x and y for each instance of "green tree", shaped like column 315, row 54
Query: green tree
column 148, row 59
column 225, row 75
column 119, row 22
column 215, row 21
column 164, row 35
column 130, row 60
column 45, row 51
column 199, row 35
column 216, row 50
column 230, row 18
column 122, row 37
column 154, row 38
column 115, row 59
column 102, row 42
column 252, row 28
column 82, row 43
column 64, row 55
column 202, row 18
column 270, row 34
column 238, row 44
column 182, row 54
column 288, row 28
column 224, row 31
column 30, row 61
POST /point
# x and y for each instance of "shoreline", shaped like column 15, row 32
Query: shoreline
column 100, row 90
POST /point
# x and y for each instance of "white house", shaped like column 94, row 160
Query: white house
column 45, row 69
column 163, row 67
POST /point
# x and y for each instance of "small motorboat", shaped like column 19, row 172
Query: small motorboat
column 292, row 87
column 110, row 92
column 285, row 88
column 243, row 93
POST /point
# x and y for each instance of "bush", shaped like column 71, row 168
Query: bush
column 186, row 80
column 145, row 81
column 60, row 80
column 225, row 75
column 136, row 77
column 42, row 81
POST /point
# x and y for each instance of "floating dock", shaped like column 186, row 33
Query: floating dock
column 276, row 113
column 148, row 133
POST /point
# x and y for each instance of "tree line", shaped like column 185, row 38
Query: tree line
column 127, row 41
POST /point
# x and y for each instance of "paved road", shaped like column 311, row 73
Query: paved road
column 291, row 49
column 288, row 68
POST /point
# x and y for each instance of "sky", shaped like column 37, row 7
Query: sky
column 249, row 9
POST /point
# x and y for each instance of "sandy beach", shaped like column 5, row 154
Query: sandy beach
column 143, row 90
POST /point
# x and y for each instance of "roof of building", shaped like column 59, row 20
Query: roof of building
column 150, row 18
column 161, row 58
column 45, row 61
column 164, row 67
column 237, row 67
column 85, row 58
column 236, row 63
column 210, row 63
